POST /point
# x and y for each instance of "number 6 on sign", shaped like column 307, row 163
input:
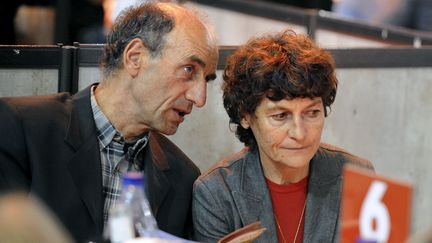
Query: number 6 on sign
column 374, row 216
column 374, row 208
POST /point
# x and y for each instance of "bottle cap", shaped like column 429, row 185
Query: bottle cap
column 133, row 178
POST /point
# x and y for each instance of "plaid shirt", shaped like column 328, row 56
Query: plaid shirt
column 117, row 157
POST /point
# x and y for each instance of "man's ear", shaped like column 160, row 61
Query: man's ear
column 133, row 55
column 244, row 122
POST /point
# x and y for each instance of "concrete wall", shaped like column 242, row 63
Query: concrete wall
column 385, row 116
column 20, row 82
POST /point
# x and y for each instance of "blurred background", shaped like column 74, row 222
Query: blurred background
column 43, row 22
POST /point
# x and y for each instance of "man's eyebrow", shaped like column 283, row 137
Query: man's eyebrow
column 198, row 60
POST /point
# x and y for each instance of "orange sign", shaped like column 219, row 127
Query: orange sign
column 374, row 208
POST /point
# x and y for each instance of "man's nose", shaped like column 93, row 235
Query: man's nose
column 197, row 93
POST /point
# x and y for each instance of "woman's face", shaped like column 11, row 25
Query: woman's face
column 287, row 132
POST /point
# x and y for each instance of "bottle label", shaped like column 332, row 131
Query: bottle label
column 121, row 229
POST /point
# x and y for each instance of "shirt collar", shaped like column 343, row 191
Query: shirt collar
column 104, row 129
column 107, row 133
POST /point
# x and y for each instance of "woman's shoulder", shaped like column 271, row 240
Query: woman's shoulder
column 227, row 165
column 342, row 155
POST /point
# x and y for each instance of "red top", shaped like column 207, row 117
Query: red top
column 288, row 203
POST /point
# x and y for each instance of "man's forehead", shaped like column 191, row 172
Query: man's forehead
column 193, row 34
column 189, row 28
column 176, row 11
column 169, row 7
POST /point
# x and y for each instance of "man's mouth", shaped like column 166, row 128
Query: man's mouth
column 181, row 113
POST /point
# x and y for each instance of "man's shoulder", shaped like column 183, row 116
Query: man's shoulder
column 35, row 104
column 343, row 156
column 36, row 111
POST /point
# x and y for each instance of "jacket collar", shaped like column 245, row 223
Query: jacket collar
column 155, row 167
column 323, row 198
column 84, row 166
column 253, row 198
column 81, row 125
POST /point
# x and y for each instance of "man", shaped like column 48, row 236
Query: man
column 72, row 151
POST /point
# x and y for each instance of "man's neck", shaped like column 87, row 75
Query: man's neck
column 110, row 97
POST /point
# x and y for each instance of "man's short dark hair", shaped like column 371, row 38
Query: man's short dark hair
column 280, row 66
column 147, row 22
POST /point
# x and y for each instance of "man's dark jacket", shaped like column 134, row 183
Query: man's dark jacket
column 49, row 148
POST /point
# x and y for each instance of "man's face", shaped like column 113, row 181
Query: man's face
column 168, row 86
column 288, row 132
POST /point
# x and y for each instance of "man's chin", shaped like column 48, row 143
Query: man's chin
column 169, row 131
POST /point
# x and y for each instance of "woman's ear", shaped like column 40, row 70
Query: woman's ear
column 245, row 122
column 133, row 56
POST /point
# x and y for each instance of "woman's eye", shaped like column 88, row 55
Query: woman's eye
column 314, row 113
column 279, row 117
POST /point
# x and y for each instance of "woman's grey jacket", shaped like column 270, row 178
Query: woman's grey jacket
column 234, row 194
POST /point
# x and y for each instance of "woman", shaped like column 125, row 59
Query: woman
column 277, row 91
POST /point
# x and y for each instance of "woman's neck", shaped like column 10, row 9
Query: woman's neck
column 280, row 173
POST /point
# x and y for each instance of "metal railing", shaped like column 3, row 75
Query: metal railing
column 314, row 20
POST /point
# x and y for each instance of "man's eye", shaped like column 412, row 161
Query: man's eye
column 188, row 69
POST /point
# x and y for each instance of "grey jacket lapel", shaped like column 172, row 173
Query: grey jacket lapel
column 323, row 199
column 84, row 166
column 253, row 198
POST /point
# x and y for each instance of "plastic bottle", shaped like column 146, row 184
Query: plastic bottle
column 132, row 216
column 120, row 225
